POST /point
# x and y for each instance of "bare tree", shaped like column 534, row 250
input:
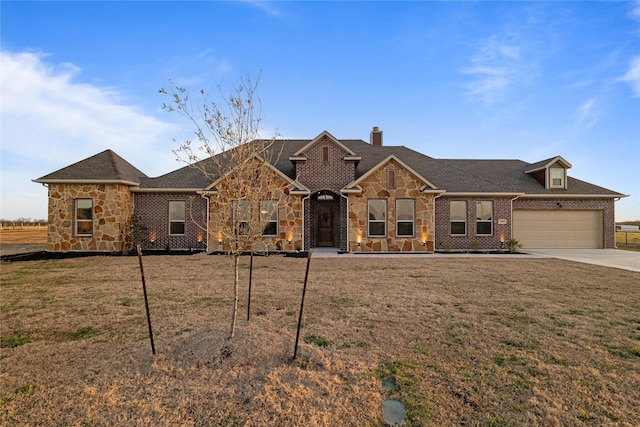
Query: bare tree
column 246, row 189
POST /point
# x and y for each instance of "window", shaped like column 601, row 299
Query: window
column 391, row 179
column 325, row 154
column 377, row 218
column 484, row 217
column 241, row 215
column 405, row 217
column 84, row 217
column 557, row 178
column 269, row 213
column 177, row 215
column 458, row 216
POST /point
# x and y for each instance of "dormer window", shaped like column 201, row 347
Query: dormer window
column 551, row 173
column 557, row 177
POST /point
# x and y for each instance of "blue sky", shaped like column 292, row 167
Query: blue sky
column 492, row 80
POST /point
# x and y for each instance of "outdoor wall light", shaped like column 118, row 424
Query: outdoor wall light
column 290, row 237
column 152, row 236
column 200, row 238
column 502, row 241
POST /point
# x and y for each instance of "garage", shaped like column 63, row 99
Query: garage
column 558, row 228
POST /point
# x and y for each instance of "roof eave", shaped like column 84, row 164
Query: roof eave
column 165, row 190
column 571, row 196
column 86, row 181
column 482, row 194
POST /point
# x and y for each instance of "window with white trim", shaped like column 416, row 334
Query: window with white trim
column 241, row 216
column 484, row 217
column 405, row 217
column 458, row 217
column 269, row 217
column 84, row 217
column 377, row 215
column 557, row 177
column 177, row 216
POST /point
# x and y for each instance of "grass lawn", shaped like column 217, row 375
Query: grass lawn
column 467, row 341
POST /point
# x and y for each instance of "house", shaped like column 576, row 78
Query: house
column 627, row 227
column 349, row 194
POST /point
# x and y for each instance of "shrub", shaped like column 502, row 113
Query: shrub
column 513, row 245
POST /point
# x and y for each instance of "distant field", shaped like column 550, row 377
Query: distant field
column 29, row 239
column 26, row 235
column 628, row 240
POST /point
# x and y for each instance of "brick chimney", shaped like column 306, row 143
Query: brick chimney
column 376, row 137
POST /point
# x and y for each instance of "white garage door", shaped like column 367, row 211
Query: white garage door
column 558, row 229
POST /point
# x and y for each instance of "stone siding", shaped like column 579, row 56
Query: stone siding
column 112, row 209
column 289, row 234
column 407, row 187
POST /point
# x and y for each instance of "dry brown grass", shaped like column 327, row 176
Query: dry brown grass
column 468, row 341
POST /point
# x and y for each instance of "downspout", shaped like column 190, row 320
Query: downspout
column 437, row 196
column 347, row 220
column 615, row 240
column 206, row 198
column 303, row 222
column 511, row 217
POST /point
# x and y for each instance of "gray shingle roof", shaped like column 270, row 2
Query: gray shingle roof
column 511, row 174
column 106, row 166
column 452, row 175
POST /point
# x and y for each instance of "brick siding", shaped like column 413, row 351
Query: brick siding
column 153, row 211
column 471, row 240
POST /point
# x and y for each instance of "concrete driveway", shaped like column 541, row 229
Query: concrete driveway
column 616, row 258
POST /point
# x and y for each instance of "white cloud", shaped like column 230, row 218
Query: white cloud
column 51, row 119
column 587, row 114
column 635, row 11
column 496, row 66
column 633, row 77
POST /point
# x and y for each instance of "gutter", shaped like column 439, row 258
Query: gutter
column 86, row 181
column 167, row 190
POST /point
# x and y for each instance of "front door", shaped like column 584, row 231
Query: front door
column 324, row 223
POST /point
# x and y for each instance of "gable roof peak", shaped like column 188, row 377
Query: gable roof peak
column 320, row 137
column 106, row 167
column 547, row 163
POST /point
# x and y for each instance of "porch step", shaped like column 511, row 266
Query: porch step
column 323, row 252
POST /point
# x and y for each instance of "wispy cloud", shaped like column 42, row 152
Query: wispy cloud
column 496, row 66
column 266, row 6
column 50, row 119
column 635, row 10
column 587, row 114
column 632, row 77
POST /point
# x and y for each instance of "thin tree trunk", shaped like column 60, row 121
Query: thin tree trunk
column 234, row 312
